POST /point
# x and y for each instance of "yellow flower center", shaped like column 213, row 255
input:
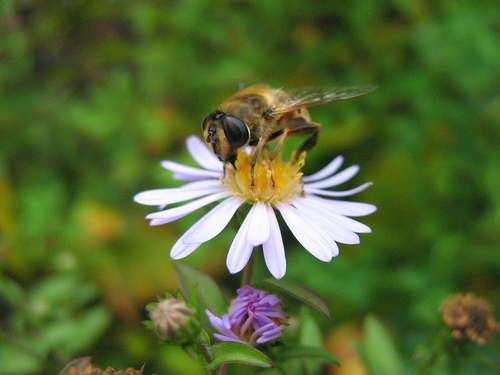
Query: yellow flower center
column 274, row 179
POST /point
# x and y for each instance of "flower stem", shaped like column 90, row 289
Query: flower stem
column 436, row 352
column 202, row 348
column 249, row 269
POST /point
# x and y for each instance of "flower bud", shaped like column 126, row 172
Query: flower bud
column 174, row 320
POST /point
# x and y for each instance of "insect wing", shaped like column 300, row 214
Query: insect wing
column 310, row 97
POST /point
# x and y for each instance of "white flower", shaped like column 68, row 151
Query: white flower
column 317, row 222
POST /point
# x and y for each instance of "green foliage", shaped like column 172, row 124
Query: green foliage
column 233, row 352
column 379, row 350
column 299, row 292
column 56, row 317
column 200, row 290
column 305, row 352
column 93, row 94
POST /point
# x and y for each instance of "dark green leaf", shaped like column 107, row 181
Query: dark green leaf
column 233, row 352
column 304, row 351
column 299, row 292
column 209, row 295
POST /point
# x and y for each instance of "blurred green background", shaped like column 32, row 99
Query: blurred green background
column 94, row 94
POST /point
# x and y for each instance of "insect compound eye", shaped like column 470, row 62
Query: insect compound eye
column 236, row 131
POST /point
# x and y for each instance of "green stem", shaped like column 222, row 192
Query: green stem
column 223, row 370
column 249, row 268
column 435, row 352
column 202, row 348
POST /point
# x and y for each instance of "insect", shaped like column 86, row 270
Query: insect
column 258, row 115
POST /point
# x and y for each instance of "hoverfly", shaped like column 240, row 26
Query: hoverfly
column 258, row 115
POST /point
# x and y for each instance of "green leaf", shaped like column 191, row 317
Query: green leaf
column 209, row 295
column 204, row 338
column 296, row 351
column 11, row 292
column 18, row 359
column 234, row 352
column 299, row 292
column 309, row 332
column 85, row 331
column 379, row 349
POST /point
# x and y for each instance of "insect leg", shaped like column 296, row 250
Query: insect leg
column 262, row 142
column 309, row 143
column 283, row 133
column 299, row 126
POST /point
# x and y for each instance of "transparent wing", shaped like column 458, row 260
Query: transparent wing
column 309, row 97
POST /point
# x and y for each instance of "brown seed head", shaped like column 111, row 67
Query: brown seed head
column 469, row 317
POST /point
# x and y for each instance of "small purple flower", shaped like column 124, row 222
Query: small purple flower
column 254, row 318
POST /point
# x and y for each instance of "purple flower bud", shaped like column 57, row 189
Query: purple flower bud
column 174, row 320
column 254, row 318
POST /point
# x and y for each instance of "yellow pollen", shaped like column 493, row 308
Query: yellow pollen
column 274, row 180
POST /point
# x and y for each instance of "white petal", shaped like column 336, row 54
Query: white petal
column 258, row 229
column 177, row 212
column 181, row 250
column 155, row 222
column 344, row 193
column 335, row 180
column 202, row 155
column 162, row 197
column 213, row 222
column 235, row 265
column 330, row 169
column 273, row 248
column 335, row 250
column 345, row 208
column 345, row 221
column 309, row 235
column 186, row 173
column 240, row 250
column 335, row 230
